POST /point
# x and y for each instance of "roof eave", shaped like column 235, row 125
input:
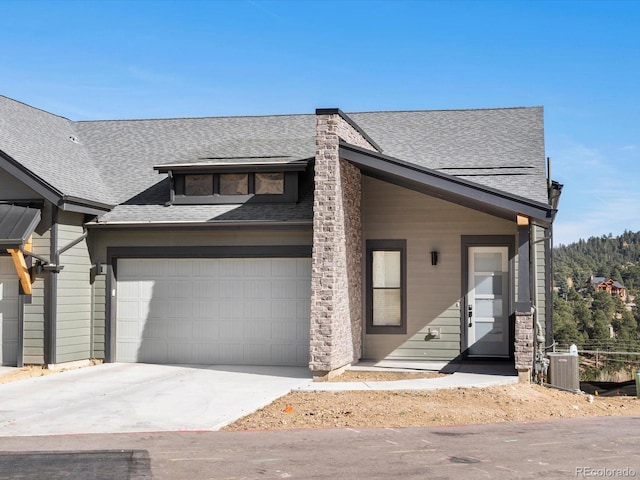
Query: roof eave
column 47, row 191
column 292, row 166
column 227, row 224
column 446, row 187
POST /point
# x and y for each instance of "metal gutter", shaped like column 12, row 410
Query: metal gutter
column 259, row 224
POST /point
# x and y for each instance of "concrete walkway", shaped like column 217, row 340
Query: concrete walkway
column 460, row 375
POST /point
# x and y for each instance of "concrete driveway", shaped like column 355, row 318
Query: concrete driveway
column 118, row 398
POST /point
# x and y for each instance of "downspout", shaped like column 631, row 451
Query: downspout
column 51, row 293
column 172, row 191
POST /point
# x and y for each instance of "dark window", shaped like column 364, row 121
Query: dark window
column 234, row 183
column 196, row 185
column 269, row 183
column 386, row 286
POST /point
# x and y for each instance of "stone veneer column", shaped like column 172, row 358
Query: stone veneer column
column 524, row 345
column 336, row 278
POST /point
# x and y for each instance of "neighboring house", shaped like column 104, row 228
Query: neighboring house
column 314, row 240
column 604, row 284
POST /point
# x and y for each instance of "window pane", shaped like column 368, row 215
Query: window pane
column 488, row 262
column 488, row 308
column 386, row 269
column 488, row 284
column 387, row 307
column 234, row 183
column 198, row 184
column 269, row 183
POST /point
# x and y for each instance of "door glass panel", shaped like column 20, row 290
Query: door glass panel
column 386, row 269
column 483, row 329
column 491, row 308
column 488, row 262
column 386, row 307
column 488, row 284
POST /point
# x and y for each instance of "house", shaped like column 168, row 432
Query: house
column 604, row 284
column 318, row 239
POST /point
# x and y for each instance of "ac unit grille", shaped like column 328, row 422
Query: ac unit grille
column 563, row 371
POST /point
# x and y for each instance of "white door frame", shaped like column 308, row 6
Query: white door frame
column 487, row 243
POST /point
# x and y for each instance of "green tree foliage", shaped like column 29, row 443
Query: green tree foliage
column 607, row 256
column 586, row 317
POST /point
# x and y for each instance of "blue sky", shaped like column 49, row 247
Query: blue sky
column 147, row 59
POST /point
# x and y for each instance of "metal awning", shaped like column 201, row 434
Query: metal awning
column 16, row 225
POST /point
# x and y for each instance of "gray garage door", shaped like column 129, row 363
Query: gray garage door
column 244, row 311
column 8, row 312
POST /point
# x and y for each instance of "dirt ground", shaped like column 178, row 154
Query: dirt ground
column 462, row 406
column 24, row 373
column 363, row 409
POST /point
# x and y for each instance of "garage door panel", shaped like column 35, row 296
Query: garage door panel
column 284, row 288
column 255, row 309
column 259, row 267
column 303, row 269
column 255, row 288
column 230, row 353
column 180, row 329
column 253, row 353
column 151, row 349
column 283, row 309
column 205, row 289
column 235, row 311
column 230, row 330
column 203, row 309
column 259, row 330
column 283, row 330
column 206, row 329
column 231, row 268
column 205, row 353
column 231, row 288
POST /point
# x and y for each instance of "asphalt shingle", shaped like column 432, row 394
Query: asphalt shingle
column 49, row 147
column 112, row 161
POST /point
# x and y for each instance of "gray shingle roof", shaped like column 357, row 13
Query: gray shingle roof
column 272, row 212
column 501, row 148
column 43, row 144
column 127, row 150
column 113, row 160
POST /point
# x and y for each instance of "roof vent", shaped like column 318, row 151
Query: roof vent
column 74, row 139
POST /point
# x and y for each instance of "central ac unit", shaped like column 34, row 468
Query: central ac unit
column 563, row 371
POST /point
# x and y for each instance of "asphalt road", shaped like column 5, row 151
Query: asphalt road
column 605, row 447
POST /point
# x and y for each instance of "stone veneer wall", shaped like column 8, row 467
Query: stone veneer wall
column 336, row 286
column 524, row 336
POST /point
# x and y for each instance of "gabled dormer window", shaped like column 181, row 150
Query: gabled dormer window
column 232, row 184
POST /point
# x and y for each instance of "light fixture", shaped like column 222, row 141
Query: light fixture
column 434, row 257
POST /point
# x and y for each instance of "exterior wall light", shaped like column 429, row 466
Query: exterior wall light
column 434, row 257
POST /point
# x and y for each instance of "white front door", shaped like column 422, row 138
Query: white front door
column 488, row 302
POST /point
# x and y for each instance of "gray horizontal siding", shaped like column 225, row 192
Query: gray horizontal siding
column 433, row 292
column 73, row 322
column 12, row 189
column 98, row 312
column 34, row 312
column 540, row 284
